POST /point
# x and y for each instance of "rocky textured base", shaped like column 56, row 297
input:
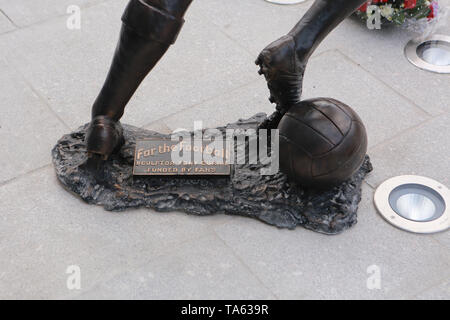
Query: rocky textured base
column 272, row 199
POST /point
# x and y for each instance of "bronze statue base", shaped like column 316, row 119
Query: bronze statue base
column 271, row 199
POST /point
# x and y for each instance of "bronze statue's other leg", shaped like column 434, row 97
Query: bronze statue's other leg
column 283, row 62
column 149, row 28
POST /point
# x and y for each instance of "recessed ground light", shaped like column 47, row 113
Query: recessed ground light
column 432, row 53
column 414, row 203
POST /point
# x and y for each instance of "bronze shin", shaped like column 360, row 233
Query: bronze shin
column 149, row 28
column 283, row 62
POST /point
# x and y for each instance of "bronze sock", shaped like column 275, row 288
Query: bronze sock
column 318, row 22
column 149, row 28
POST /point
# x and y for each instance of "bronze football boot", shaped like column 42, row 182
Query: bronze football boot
column 284, row 75
column 283, row 62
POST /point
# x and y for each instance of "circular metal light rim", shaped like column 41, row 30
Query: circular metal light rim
column 413, row 57
column 383, row 206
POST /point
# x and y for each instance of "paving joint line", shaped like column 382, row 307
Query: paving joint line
column 245, row 265
column 368, row 184
column 170, row 251
column 38, row 94
column 199, row 103
column 9, row 19
column 402, row 133
column 225, row 34
column 384, row 83
column 22, row 175
column 48, row 19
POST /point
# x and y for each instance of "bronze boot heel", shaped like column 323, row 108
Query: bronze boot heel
column 104, row 137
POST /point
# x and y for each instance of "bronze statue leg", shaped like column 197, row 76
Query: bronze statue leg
column 149, row 28
column 283, row 62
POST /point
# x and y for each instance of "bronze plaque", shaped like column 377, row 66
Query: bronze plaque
column 155, row 158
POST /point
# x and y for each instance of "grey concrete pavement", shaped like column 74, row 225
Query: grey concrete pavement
column 50, row 76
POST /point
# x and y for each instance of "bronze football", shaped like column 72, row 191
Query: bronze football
column 323, row 142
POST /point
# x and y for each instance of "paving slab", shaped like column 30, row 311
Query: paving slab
column 68, row 67
column 200, row 269
column 50, row 77
column 331, row 74
column 422, row 150
column 26, row 12
column 159, row 126
column 378, row 51
column 360, row 91
column 241, row 103
column 443, row 238
column 45, row 229
column 302, row 264
column 440, row 292
column 28, row 128
column 252, row 24
column 381, row 53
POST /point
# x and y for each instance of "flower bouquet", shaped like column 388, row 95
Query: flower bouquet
column 398, row 11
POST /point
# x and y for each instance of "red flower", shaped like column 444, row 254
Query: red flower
column 363, row 8
column 410, row 4
column 431, row 15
